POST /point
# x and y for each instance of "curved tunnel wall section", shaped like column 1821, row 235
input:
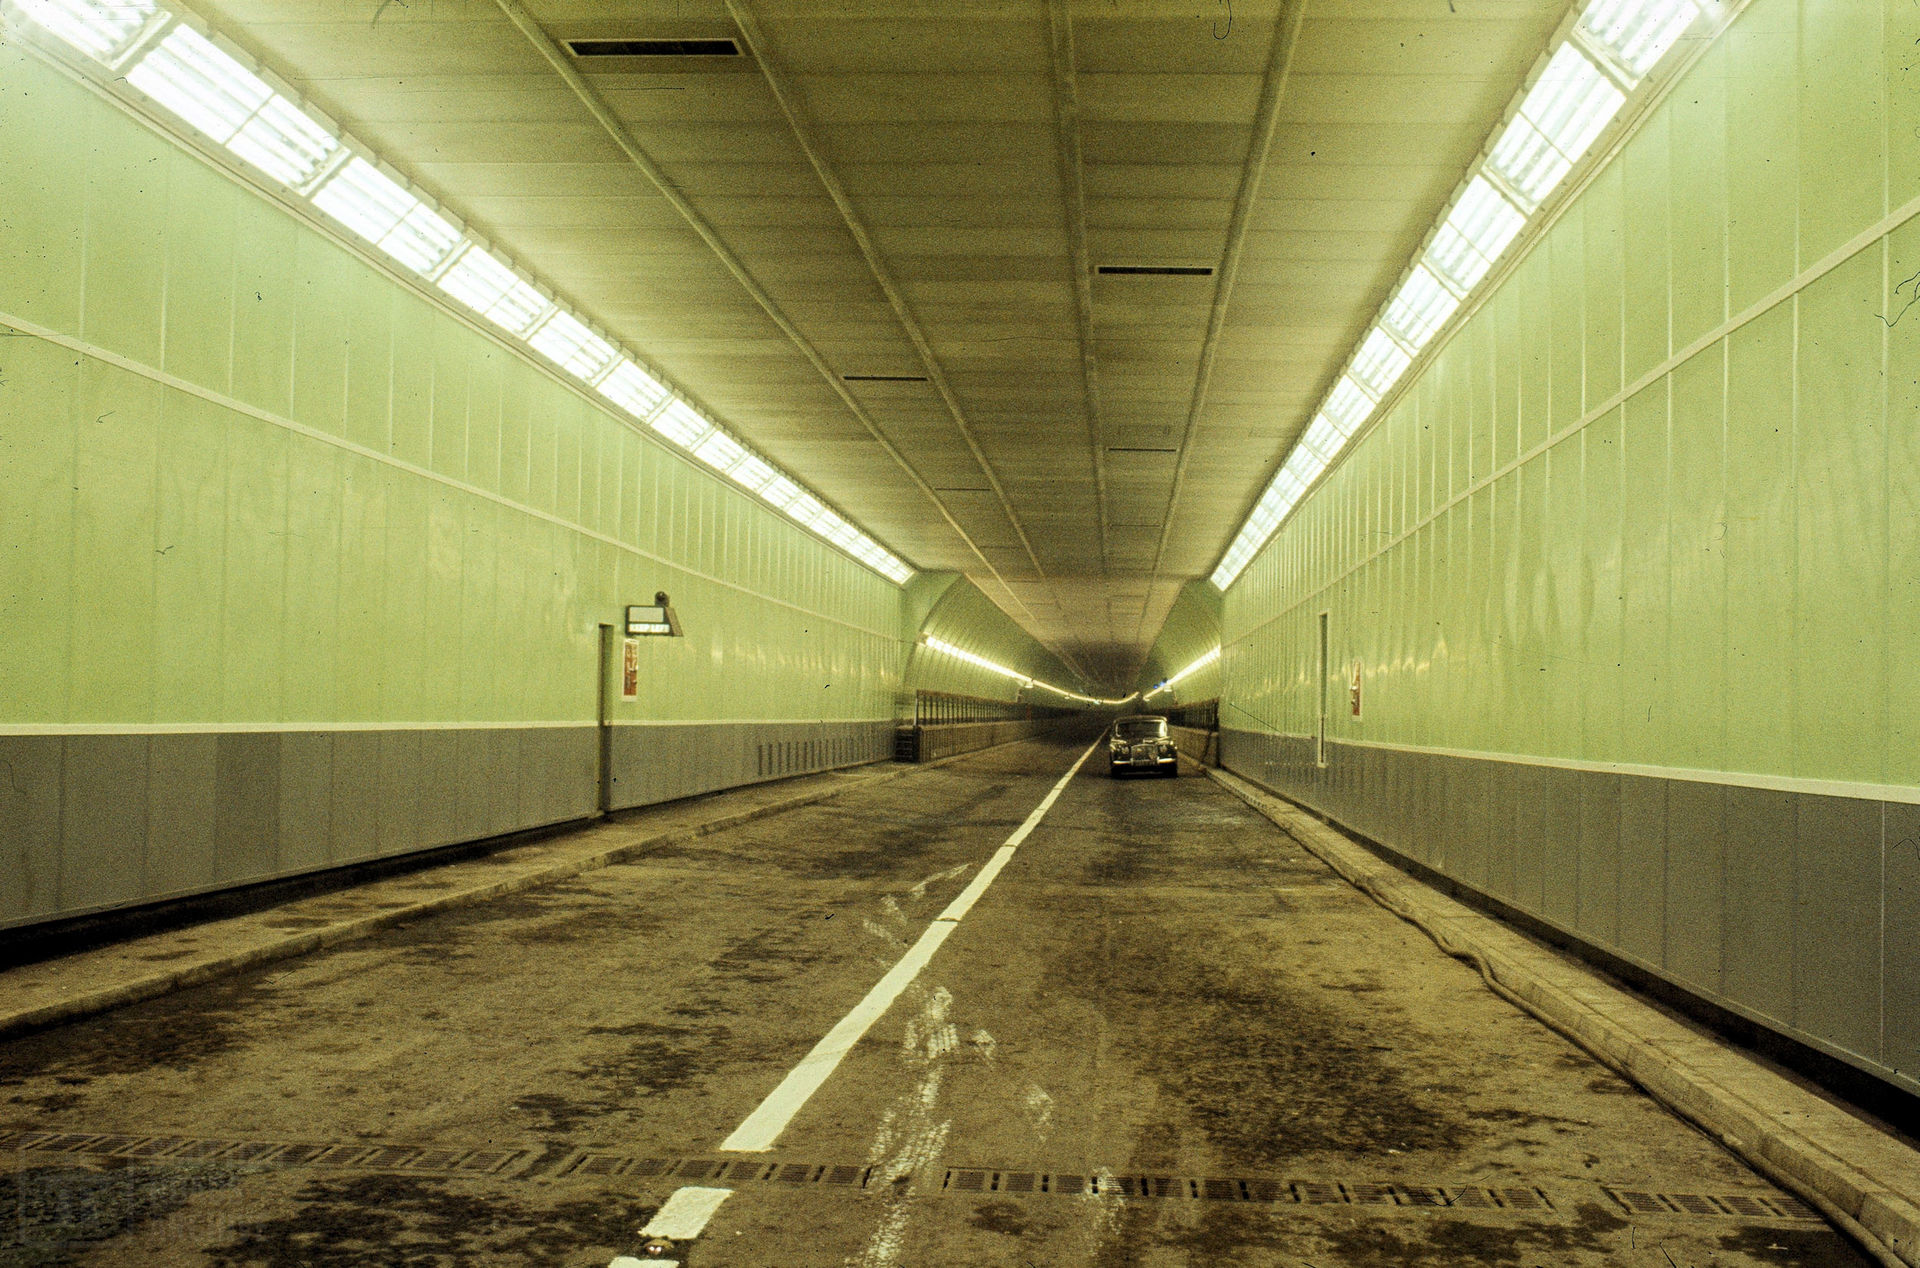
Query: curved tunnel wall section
column 303, row 568
column 1626, row 572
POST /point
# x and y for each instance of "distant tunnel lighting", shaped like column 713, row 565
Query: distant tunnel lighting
column 992, row 667
column 1194, row 668
column 979, row 662
column 171, row 63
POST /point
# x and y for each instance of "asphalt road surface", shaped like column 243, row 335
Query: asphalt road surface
column 1162, row 1035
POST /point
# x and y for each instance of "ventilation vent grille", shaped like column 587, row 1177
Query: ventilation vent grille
column 1156, row 270
column 884, row 378
column 654, row 48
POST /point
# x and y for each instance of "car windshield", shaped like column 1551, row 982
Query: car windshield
column 1142, row 728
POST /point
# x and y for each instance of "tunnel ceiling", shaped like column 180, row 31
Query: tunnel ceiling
column 899, row 203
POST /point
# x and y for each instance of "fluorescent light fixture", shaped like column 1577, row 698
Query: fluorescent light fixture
column 1322, row 440
column 284, row 143
column 1528, row 162
column 219, row 96
column 566, row 341
column 780, row 492
column 719, row 450
column 1638, row 32
column 1305, row 465
column 1558, row 121
column 98, row 28
column 806, row 508
column 379, row 209
column 201, row 84
column 752, row 473
column 1347, row 406
column 678, row 423
column 633, row 389
column 490, row 287
column 1473, row 235
column 1420, row 307
column 1572, row 103
column 1380, row 362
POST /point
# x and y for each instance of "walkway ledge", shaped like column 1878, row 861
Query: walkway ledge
column 1864, row 1180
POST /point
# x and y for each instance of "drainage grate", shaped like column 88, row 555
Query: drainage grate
column 423, row 1159
column 268, row 1153
column 1763, row 1205
column 1230, row 1189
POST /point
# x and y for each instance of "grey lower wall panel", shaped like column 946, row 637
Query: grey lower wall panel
column 948, row 739
column 90, row 822
column 1796, row 910
column 1201, row 745
column 655, row 762
column 93, row 822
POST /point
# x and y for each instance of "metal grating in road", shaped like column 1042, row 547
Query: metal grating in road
column 1746, row 1205
column 527, row 1161
column 1216, row 1189
column 267, row 1153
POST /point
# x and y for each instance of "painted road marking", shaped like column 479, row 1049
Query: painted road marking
column 682, row 1216
column 764, row 1125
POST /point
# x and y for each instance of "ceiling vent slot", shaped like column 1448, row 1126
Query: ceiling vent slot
column 654, row 48
column 884, row 378
column 1137, row 449
column 1156, row 270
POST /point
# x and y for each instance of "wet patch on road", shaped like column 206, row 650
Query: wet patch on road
column 1801, row 1247
column 1269, row 1071
column 175, row 1033
column 1444, row 1245
column 389, row 1221
column 912, row 834
column 53, row 1213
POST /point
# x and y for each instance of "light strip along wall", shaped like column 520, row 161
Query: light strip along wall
column 981, row 662
column 1606, row 56
column 165, row 64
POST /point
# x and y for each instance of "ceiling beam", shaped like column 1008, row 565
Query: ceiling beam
column 803, row 135
column 1273, row 91
column 517, row 14
column 1066, row 111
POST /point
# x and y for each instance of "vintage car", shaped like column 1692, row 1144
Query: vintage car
column 1142, row 744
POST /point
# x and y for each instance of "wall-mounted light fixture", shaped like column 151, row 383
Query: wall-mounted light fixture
column 654, row 618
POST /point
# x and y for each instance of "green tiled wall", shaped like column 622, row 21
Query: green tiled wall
column 277, row 486
column 1603, row 525
column 1632, row 567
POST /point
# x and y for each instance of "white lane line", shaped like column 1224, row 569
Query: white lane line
column 764, row 1125
column 682, row 1216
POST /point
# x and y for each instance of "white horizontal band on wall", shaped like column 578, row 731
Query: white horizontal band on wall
column 1856, row 790
column 259, row 728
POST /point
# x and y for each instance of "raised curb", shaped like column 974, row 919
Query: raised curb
column 1866, row 1180
column 86, row 1003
